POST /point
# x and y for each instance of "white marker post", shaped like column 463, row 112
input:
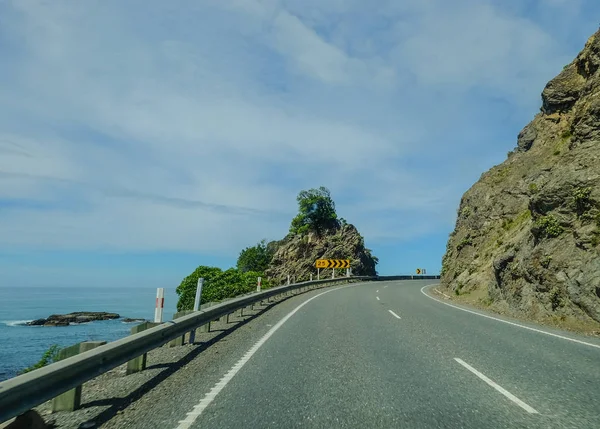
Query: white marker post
column 311, row 277
column 197, row 307
column 288, row 279
column 318, row 273
column 160, row 303
column 258, row 285
column 198, row 294
column 333, row 274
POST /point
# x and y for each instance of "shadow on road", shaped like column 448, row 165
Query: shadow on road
column 120, row 404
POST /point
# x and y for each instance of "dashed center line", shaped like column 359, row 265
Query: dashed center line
column 377, row 291
column 378, row 299
column 394, row 314
column 499, row 388
column 385, row 286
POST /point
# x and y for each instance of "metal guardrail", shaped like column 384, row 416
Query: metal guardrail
column 416, row 277
column 24, row 392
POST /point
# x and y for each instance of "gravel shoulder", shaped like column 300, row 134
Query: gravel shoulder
column 176, row 378
column 475, row 301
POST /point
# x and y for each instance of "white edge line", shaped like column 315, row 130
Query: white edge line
column 208, row 398
column 510, row 323
column 394, row 314
column 499, row 388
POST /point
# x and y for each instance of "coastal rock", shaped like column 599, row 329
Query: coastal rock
column 78, row 317
column 129, row 320
column 296, row 254
column 527, row 234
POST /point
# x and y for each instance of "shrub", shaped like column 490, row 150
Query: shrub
column 581, row 200
column 49, row 356
column 256, row 258
column 555, row 299
column 467, row 241
column 548, row 226
column 218, row 285
column 545, row 262
column 533, row 188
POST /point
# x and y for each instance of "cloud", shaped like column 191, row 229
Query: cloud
column 149, row 126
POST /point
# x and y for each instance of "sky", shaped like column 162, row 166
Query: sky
column 142, row 138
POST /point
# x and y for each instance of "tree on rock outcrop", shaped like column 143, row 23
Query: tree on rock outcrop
column 316, row 212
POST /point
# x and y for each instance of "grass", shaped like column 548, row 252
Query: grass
column 565, row 137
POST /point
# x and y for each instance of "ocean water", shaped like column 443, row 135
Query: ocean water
column 22, row 346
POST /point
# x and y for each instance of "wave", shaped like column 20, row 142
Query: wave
column 16, row 322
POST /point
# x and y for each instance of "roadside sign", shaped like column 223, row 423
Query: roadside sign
column 332, row 263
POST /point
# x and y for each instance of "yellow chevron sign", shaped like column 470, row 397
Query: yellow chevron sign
column 333, row 263
column 418, row 271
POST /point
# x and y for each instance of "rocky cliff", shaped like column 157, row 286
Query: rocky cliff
column 296, row 254
column 527, row 235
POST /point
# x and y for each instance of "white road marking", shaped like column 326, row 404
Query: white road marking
column 510, row 323
column 205, row 402
column 385, row 286
column 394, row 314
column 499, row 388
column 378, row 299
column 377, row 291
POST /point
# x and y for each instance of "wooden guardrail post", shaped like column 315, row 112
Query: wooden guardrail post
column 179, row 341
column 205, row 327
column 71, row 400
column 139, row 363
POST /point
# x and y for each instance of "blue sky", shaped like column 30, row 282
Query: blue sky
column 139, row 139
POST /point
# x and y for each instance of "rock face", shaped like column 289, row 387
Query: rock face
column 527, row 235
column 296, row 255
column 79, row 317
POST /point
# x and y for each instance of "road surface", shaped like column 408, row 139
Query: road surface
column 386, row 355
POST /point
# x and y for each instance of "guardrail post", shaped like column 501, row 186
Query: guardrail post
column 71, row 400
column 139, row 363
column 179, row 341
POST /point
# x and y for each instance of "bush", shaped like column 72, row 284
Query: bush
column 218, row 285
column 581, row 200
column 548, row 226
column 533, row 188
column 467, row 241
column 545, row 262
column 49, row 356
column 256, row 258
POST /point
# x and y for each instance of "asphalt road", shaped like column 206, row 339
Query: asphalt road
column 384, row 355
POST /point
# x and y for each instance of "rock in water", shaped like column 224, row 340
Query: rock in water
column 527, row 235
column 296, row 254
column 79, row 317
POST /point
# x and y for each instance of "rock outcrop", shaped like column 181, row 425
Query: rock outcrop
column 296, row 254
column 527, row 235
column 79, row 317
